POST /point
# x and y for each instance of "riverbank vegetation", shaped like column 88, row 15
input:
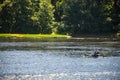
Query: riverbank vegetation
column 73, row 17
column 33, row 36
column 53, row 38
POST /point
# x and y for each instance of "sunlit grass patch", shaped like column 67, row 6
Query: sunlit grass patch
column 10, row 35
column 17, row 35
column 45, row 36
column 33, row 36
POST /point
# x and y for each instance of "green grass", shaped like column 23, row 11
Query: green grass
column 33, row 37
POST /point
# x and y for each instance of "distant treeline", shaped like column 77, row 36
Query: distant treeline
column 72, row 17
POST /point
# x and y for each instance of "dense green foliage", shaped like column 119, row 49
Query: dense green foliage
column 26, row 16
column 89, row 16
column 73, row 17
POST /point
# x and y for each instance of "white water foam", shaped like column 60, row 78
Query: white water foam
column 66, row 76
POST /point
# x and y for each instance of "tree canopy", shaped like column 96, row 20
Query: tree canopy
column 73, row 17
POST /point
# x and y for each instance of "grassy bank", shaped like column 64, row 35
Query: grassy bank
column 32, row 37
column 54, row 37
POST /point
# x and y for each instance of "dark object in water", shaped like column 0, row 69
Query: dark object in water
column 96, row 54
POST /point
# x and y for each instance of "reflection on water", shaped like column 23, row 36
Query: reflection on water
column 59, row 61
column 67, row 48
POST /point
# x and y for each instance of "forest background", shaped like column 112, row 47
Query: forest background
column 72, row 17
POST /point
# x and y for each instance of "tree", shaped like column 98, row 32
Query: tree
column 62, row 16
column 82, row 16
column 46, row 17
column 26, row 16
column 1, row 1
column 15, row 16
column 6, row 16
column 116, row 15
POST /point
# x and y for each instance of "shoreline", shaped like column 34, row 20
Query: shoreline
column 53, row 38
column 95, row 39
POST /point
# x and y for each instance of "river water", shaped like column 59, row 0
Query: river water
column 59, row 61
